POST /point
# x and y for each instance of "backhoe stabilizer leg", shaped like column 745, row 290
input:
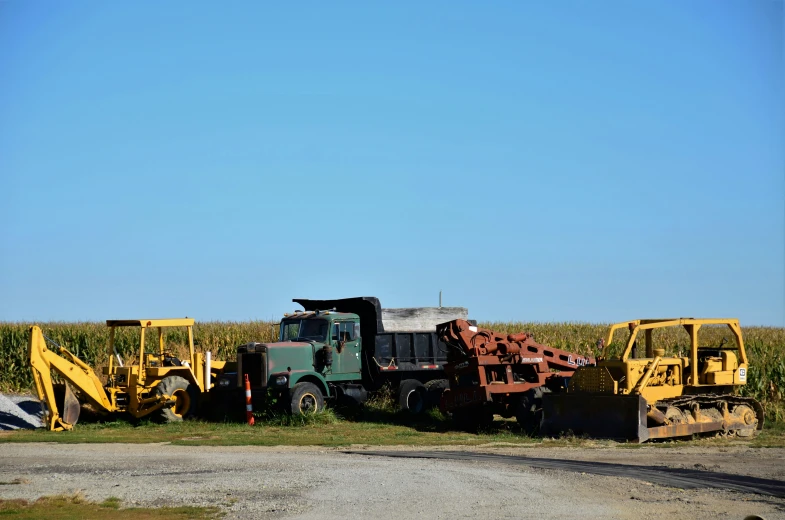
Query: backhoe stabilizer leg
column 151, row 404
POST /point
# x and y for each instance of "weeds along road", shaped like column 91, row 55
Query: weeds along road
column 449, row 483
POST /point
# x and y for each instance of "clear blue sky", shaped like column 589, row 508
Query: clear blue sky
column 591, row 161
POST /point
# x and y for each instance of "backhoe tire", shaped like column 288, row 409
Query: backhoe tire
column 411, row 396
column 186, row 395
column 529, row 412
column 305, row 398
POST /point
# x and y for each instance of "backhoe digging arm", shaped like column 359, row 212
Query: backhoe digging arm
column 72, row 369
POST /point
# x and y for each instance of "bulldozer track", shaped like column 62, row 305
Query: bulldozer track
column 708, row 400
column 663, row 476
column 714, row 400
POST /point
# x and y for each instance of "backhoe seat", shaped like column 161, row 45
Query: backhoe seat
column 172, row 362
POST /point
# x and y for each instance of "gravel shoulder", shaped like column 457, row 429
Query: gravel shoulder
column 310, row 483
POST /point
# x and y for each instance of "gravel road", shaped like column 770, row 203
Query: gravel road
column 700, row 477
column 316, row 483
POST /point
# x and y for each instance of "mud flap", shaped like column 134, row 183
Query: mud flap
column 602, row 416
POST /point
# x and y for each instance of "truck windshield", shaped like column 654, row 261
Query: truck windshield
column 303, row 330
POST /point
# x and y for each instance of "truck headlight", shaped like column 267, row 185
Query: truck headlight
column 224, row 382
column 281, row 380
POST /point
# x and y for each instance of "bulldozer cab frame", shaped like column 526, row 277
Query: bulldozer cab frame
column 657, row 396
column 699, row 360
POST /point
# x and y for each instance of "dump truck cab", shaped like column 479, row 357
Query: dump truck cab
column 335, row 340
column 318, row 351
column 316, row 346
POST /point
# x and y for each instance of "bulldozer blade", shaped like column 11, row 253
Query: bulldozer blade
column 71, row 407
column 604, row 416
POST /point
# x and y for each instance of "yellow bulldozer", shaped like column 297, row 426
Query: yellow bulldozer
column 642, row 395
column 157, row 384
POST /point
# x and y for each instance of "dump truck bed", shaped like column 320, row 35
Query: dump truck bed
column 398, row 340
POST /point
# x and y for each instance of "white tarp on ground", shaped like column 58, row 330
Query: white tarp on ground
column 421, row 318
column 20, row 411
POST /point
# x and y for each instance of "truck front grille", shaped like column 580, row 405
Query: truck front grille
column 255, row 366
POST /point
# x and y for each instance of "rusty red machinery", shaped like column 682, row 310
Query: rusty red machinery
column 506, row 374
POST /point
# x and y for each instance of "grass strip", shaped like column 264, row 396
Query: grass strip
column 76, row 507
column 330, row 430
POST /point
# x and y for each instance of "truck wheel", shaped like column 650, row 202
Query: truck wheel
column 435, row 388
column 305, row 398
column 185, row 394
column 529, row 412
column 411, row 396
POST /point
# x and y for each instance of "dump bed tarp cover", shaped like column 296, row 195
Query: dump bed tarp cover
column 421, row 319
column 369, row 309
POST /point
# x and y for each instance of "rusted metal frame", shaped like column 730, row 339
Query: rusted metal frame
column 510, row 346
column 473, row 395
column 467, row 397
column 486, row 389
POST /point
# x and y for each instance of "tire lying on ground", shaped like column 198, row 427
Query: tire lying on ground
column 185, row 394
column 305, row 398
column 411, row 396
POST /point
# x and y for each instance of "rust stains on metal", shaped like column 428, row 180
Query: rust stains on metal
column 487, row 367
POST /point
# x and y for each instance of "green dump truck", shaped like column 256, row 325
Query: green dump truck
column 342, row 349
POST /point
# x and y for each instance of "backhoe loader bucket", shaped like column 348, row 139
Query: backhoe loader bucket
column 68, row 404
column 604, row 416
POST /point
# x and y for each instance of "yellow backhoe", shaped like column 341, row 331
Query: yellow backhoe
column 159, row 384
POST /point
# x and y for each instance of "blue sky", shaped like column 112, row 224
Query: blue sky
column 543, row 161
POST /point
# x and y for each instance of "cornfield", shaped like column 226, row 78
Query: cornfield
column 765, row 347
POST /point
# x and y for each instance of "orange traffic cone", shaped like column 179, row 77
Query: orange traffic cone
column 248, row 405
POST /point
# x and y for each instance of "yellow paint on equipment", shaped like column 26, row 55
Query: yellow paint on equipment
column 682, row 394
column 159, row 383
